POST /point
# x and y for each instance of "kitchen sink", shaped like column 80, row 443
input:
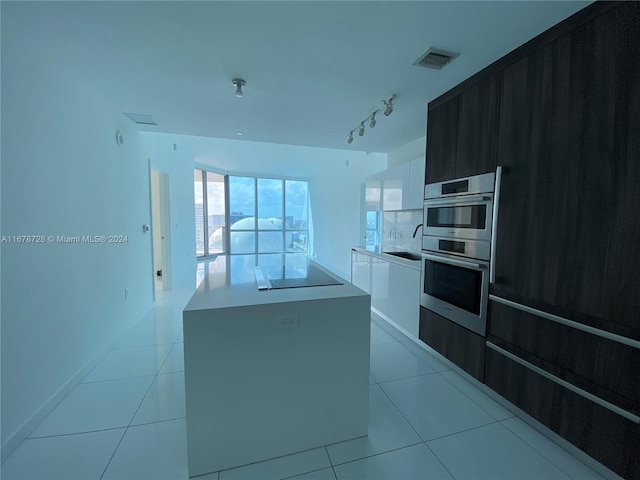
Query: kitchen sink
column 407, row 255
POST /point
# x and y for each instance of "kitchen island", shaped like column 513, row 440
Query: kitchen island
column 275, row 371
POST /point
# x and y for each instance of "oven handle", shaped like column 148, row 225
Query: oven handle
column 494, row 226
column 455, row 200
column 454, row 261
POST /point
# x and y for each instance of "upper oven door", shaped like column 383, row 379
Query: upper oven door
column 460, row 217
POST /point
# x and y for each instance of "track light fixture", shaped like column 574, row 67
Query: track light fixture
column 372, row 123
column 389, row 105
column 239, row 83
column 372, row 118
column 350, row 138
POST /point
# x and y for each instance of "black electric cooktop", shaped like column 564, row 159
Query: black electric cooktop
column 292, row 277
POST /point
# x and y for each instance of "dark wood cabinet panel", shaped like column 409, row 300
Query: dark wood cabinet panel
column 477, row 137
column 606, row 368
column 570, row 144
column 442, row 129
column 606, row 436
column 604, row 74
column 461, row 346
column 536, row 205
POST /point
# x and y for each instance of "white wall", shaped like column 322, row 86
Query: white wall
column 178, row 164
column 408, row 152
column 63, row 305
column 336, row 206
column 334, row 186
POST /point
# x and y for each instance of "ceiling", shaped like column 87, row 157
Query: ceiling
column 314, row 70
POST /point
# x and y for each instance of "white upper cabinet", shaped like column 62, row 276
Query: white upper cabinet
column 373, row 193
column 397, row 188
column 415, row 197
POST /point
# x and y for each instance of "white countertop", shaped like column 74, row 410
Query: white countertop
column 229, row 281
column 377, row 251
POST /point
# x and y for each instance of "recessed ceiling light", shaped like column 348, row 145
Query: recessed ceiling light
column 239, row 133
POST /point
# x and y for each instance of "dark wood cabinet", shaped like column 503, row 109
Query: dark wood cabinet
column 477, row 137
column 569, row 143
column 442, row 130
column 601, row 366
column 604, row 435
column 536, row 204
column 461, row 346
column 462, row 133
column 604, row 259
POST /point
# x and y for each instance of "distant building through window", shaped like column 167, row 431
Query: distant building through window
column 264, row 215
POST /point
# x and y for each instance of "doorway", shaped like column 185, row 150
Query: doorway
column 160, row 232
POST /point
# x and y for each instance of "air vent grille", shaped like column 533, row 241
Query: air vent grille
column 435, row 58
column 141, row 119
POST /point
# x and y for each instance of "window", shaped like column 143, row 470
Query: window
column 264, row 215
column 209, row 194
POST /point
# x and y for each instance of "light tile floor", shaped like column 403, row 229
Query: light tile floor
column 126, row 420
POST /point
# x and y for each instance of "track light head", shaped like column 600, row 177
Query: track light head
column 372, row 123
column 389, row 105
column 361, row 129
column 350, row 138
column 239, row 83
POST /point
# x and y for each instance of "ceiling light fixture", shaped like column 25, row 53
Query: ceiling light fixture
column 372, row 118
column 389, row 105
column 350, row 138
column 239, row 83
column 372, row 123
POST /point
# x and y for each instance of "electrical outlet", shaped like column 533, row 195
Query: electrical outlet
column 289, row 320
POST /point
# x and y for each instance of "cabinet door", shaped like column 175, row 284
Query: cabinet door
column 442, row 130
column 361, row 271
column 394, row 188
column 477, row 138
column 373, row 194
column 404, row 297
column 604, row 258
column 380, row 285
column 570, row 141
column 536, row 203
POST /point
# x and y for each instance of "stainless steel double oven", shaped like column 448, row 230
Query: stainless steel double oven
column 456, row 248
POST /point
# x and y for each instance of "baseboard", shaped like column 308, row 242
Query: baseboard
column 22, row 433
column 542, row 429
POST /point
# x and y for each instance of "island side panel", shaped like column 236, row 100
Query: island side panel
column 256, row 389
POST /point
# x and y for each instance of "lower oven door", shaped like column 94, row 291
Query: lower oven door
column 456, row 288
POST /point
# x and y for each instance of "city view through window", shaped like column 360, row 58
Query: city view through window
column 264, row 215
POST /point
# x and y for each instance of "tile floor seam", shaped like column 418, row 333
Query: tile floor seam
column 297, row 475
column 405, row 378
column 113, row 453
column 166, row 358
column 463, row 431
column 480, row 406
column 156, row 421
column 440, row 461
column 543, row 455
column 379, row 453
column 155, row 377
column 116, row 379
column 73, row 433
column 401, row 412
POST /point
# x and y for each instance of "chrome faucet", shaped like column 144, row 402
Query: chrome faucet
column 415, row 232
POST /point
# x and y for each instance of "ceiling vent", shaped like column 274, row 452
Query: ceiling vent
column 141, row 119
column 435, row 58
